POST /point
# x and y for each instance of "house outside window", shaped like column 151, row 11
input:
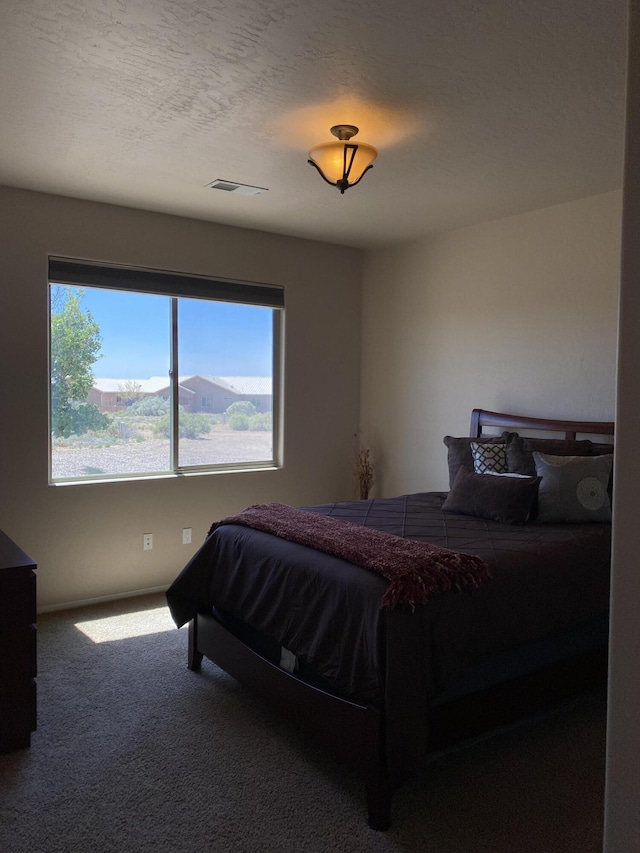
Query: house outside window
column 149, row 372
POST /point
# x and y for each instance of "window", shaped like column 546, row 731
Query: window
column 157, row 373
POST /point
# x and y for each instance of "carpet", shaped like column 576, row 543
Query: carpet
column 135, row 753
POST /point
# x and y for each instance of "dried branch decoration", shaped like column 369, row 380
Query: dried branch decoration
column 364, row 470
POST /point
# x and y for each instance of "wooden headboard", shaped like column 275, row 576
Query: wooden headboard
column 481, row 418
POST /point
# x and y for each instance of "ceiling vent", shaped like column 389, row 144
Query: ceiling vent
column 233, row 187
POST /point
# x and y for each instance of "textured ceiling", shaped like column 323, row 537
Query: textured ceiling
column 479, row 108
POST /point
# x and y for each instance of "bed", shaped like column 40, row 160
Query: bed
column 381, row 687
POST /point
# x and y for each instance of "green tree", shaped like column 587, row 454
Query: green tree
column 75, row 344
column 241, row 407
column 150, row 405
column 191, row 425
column 238, row 421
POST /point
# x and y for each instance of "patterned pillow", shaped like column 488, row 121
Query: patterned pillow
column 573, row 489
column 489, row 458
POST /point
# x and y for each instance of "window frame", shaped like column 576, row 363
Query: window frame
column 176, row 286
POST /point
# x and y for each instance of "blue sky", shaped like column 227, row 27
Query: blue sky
column 215, row 338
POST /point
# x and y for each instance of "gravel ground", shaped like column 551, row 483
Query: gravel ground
column 153, row 454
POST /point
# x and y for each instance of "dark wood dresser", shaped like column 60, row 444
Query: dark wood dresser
column 17, row 646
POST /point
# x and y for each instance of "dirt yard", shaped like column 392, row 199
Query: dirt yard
column 153, row 454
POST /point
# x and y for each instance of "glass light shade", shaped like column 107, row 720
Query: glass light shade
column 330, row 159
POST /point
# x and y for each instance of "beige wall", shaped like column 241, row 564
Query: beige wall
column 515, row 315
column 87, row 539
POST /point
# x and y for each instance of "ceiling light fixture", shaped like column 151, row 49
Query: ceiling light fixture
column 342, row 164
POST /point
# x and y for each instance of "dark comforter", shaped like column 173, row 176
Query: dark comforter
column 327, row 611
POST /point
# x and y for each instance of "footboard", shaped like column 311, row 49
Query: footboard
column 353, row 732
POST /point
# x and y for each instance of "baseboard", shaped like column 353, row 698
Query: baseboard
column 71, row 605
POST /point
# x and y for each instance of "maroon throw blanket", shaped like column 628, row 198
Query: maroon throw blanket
column 416, row 570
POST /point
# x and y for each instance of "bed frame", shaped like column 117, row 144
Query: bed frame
column 356, row 733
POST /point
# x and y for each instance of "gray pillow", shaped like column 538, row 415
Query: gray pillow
column 573, row 489
column 520, row 451
column 507, row 498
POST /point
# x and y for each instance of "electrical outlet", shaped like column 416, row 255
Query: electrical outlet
column 186, row 536
column 147, row 541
